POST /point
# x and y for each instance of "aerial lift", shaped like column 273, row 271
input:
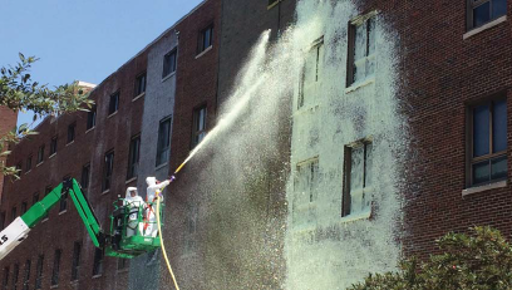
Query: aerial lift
column 116, row 243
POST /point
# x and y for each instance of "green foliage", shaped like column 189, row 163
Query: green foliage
column 19, row 92
column 481, row 261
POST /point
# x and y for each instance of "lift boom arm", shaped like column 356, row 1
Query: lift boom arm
column 18, row 230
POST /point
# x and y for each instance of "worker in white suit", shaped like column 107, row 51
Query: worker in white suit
column 154, row 190
column 135, row 204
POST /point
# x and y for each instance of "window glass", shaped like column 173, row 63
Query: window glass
column 499, row 8
column 481, row 130
column 499, row 122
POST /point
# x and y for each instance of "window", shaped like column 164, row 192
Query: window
column 98, row 262
column 357, row 179
column 53, row 145
column 35, row 198
column 199, row 123
column 133, row 158
column 5, row 282
column 39, row 272
column 84, row 180
column 19, row 170
column 29, row 164
column 108, row 169
column 306, row 181
column 272, row 2
column 205, row 39
column 164, row 141
column 140, row 84
column 40, row 154
column 56, row 268
column 488, row 144
column 71, row 133
column 15, row 274
column 23, row 207
column 361, row 46
column 13, row 214
column 91, row 118
column 76, row 261
column 480, row 12
column 113, row 105
column 311, row 74
column 26, row 279
column 170, row 63
column 63, row 204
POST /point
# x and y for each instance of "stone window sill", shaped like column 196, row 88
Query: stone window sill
column 273, row 4
column 39, row 164
column 105, row 192
column 27, row 172
column 96, row 276
column 90, row 129
column 131, row 180
column 168, row 76
column 482, row 188
column 204, row 51
column 70, row 143
column 363, row 83
column 356, row 217
column 51, row 156
column 484, row 27
column 112, row 115
column 54, row 286
column 139, row 96
column 63, row 212
column 45, row 219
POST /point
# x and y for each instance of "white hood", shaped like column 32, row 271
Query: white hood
column 151, row 181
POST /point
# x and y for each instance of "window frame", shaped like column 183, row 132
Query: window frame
column 471, row 5
column 107, row 179
column 54, row 279
column 26, row 278
column 133, row 165
column 137, row 89
column 352, row 26
column 39, row 272
column 40, row 155
column 15, row 276
column 201, row 38
column 5, row 280
column 170, row 67
column 28, row 165
column 470, row 160
column 346, row 199
column 165, row 150
column 317, row 45
column 71, row 133
column 85, row 178
column 195, row 121
column 91, row 118
column 113, row 107
column 98, row 261
column 75, row 261
column 54, row 145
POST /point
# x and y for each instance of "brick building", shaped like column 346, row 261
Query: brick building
column 390, row 130
column 7, row 122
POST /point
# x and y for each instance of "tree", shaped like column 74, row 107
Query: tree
column 19, row 92
column 481, row 261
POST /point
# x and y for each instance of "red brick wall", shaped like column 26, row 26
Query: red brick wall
column 62, row 230
column 8, row 120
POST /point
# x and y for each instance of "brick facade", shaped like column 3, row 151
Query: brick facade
column 7, row 122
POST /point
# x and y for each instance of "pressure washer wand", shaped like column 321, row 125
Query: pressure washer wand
column 180, row 167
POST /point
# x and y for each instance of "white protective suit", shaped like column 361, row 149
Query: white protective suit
column 134, row 204
column 153, row 188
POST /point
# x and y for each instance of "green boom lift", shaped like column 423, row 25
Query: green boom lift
column 116, row 243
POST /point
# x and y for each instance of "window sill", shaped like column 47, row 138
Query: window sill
column 51, row 156
column 97, row 276
column 112, row 115
column 27, row 172
column 123, row 271
column 481, row 188
column 70, row 143
column 74, row 282
column 204, row 51
column 161, row 166
column 273, row 4
column 364, row 83
column 39, row 164
column 484, row 27
column 46, row 219
column 138, row 96
column 105, row 192
column 89, row 130
column 168, row 76
column 131, row 180
column 54, row 286
column 356, row 217
column 306, row 109
column 63, row 212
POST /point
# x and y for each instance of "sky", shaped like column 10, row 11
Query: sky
column 81, row 40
